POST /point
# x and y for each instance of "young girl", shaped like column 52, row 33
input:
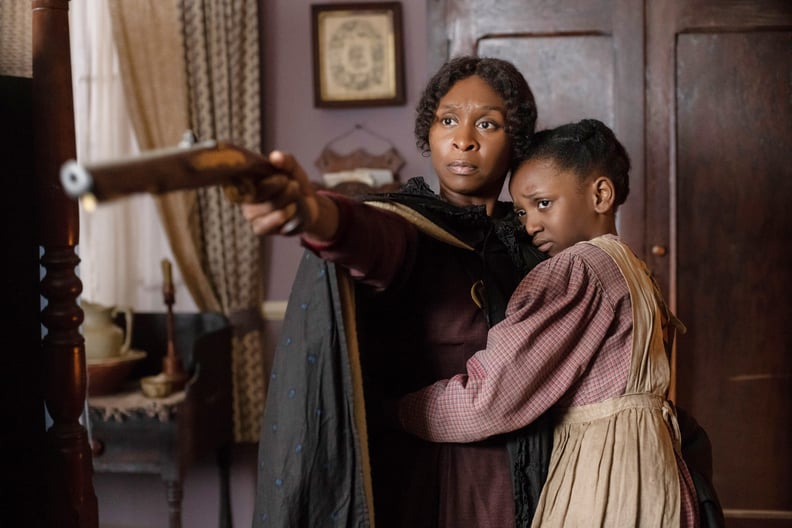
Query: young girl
column 431, row 273
column 586, row 335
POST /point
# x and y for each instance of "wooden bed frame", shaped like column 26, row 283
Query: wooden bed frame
column 69, row 498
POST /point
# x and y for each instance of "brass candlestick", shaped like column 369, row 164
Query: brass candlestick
column 171, row 364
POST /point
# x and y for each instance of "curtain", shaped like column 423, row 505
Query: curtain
column 222, row 53
column 16, row 38
column 152, row 72
column 205, row 77
column 123, row 242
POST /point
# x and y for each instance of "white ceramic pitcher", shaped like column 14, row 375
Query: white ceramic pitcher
column 103, row 339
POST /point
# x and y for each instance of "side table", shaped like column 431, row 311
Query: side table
column 131, row 433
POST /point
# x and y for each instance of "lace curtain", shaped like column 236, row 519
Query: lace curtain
column 121, row 243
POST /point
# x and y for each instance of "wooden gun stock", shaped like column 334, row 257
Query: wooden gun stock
column 241, row 172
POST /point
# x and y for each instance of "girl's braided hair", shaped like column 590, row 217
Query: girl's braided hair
column 587, row 147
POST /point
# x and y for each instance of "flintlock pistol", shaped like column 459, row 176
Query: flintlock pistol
column 242, row 173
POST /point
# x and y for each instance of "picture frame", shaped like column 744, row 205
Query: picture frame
column 357, row 54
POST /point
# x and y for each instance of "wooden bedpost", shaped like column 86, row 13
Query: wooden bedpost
column 70, row 500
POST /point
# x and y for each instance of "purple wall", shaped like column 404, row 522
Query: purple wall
column 292, row 124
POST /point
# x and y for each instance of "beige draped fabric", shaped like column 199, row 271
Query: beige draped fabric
column 151, row 57
column 194, row 65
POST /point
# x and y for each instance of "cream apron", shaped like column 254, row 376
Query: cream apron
column 613, row 463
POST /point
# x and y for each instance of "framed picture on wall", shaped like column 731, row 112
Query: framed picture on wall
column 357, row 54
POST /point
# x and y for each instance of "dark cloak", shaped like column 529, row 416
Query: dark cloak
column 313, row 454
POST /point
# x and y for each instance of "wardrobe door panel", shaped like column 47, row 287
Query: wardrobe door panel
column 735, row 288
column 719, row 104
column 558, row 71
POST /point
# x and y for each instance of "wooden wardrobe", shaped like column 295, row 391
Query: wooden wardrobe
column 700, row 93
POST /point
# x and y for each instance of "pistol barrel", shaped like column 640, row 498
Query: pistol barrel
column 159, row 171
